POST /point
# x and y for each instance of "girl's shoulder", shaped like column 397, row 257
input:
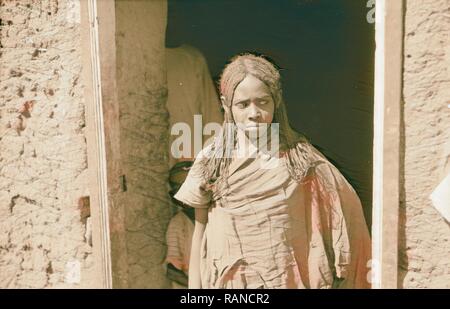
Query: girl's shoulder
column 205, row 152
column 199, row 165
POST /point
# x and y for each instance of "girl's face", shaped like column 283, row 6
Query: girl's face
column 252, row 104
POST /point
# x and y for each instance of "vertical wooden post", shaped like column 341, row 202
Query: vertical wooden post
column 102, row 118
column 387, row 124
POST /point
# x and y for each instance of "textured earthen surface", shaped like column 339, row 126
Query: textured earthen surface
column 44, row 210
column 424, row 260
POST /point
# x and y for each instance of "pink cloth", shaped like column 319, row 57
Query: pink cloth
column 179, row 240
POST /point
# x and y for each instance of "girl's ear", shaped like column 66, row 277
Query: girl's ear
column 224, row 105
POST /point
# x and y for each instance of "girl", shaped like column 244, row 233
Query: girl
column 270, row 219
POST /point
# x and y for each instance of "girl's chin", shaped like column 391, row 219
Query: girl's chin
column 251, row 129
column 255, row 131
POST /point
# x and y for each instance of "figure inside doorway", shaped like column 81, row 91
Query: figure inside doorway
column 191, row 92
column 180, row 230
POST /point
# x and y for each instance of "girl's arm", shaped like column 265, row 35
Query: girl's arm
column 201, row 218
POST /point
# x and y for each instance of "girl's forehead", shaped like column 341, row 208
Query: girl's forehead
column 250, row 87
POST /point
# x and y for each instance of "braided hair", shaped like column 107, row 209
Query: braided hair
column 293, row 145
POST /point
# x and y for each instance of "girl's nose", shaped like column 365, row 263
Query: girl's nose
column 254, row 112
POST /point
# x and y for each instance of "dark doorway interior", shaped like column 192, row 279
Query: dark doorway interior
column 326, row 51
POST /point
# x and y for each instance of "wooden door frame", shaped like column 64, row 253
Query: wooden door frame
column 99, row 67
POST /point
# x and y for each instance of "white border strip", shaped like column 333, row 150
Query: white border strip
column 378, row 158
column 100, row 139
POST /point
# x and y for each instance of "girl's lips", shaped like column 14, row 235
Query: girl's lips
column 246, row 126
column 255, row 125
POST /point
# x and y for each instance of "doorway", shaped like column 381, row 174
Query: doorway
column 325, row 49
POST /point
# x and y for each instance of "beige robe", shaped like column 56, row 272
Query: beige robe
column 269, row 231
column 191, row 92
